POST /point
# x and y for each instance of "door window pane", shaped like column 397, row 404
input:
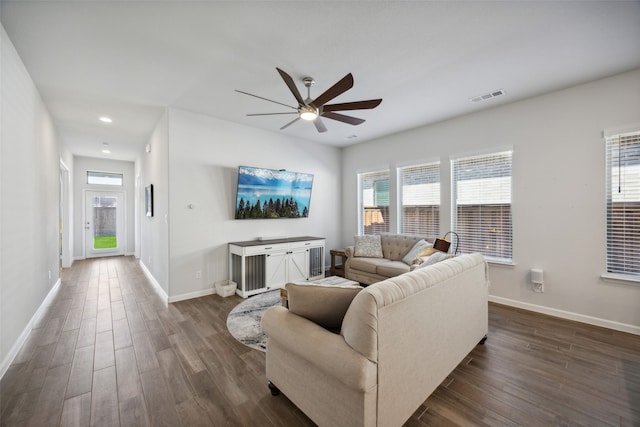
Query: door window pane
column 104, row 178
column 104, row 222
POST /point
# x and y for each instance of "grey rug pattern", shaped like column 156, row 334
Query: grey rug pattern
column 243, row 321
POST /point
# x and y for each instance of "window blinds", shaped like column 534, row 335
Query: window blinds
column 623, row 203
column 481, row 195
column 374, row 195
column 420, row 199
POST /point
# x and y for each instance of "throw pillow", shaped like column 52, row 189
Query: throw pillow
column 434, row 258
column 324, row 305
column 368, row 246
column 415, row 252
column 429, row 251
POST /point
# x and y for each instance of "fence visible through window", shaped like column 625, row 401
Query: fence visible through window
column 104, row 222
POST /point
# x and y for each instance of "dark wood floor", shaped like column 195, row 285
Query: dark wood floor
column 109, row 352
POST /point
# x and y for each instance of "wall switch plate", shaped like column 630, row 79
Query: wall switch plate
column 198, row 274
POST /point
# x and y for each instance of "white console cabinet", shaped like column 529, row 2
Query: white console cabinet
column 261, row 265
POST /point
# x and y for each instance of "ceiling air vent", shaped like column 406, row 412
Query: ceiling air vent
column 487, row 96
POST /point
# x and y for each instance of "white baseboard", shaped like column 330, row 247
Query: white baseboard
column 13, row 352
column 154, row 282
column 196, row 294
column 610, row 324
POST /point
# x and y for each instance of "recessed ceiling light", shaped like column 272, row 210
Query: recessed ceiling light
column 105, row 119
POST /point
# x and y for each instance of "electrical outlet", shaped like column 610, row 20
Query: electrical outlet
column 198, row 274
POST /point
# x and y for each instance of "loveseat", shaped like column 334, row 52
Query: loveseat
column 387, row 263
column 398, row 340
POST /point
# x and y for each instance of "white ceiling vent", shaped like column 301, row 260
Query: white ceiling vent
column 487, row 96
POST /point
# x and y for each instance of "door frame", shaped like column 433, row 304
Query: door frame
column 65, row 212
column 123, row 195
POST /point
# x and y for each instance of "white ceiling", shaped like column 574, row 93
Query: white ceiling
column 131, row 59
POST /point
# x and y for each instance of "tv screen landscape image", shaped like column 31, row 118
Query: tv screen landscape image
column 269, row 193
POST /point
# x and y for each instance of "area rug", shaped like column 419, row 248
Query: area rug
column 243, row 321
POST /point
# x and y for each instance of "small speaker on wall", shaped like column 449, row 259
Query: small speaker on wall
column 537, row 276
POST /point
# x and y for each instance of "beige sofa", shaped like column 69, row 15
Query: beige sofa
column 368, row 270
column 400, row 338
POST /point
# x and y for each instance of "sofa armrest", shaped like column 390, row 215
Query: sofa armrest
column 325, row 350
column 349, row 251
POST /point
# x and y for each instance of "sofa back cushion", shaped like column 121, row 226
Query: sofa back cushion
column 396, row 246
column 389, row 299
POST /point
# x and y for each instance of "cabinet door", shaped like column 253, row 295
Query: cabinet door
column 276, row 269
column 298, row 265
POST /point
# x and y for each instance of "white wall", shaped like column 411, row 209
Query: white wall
column 83, row 164
column 29, row 177
column 558, row 192
column 204, row 157
column 67, row 204
column 154, row 231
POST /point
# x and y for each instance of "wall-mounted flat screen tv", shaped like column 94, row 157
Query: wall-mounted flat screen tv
column 270, row 193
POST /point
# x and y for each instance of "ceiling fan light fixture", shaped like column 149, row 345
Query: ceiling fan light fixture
column 308, row 113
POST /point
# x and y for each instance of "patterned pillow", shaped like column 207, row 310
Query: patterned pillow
column 368, row 246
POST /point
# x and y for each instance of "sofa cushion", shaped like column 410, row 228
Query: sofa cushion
column 324, row 305
column 368, row 265
column 368, row 246
column 396, row 246
column 392, row 268
column 434, row 258
column 416, row 251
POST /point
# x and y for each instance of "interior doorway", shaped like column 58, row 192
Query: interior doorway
column 104, row 223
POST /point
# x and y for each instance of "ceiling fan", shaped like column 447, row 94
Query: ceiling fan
column 313, row 109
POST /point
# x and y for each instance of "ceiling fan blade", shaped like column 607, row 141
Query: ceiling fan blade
column 290, row 123
column 320, row 125
column 339, row 88
column 291, row 85
column 356, row 105
column 342, row 118
column 270, row 114
column 270, row 100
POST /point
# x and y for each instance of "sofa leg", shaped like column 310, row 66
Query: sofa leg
column 483, row 340
column 275, row 391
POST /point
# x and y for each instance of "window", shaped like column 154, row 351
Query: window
column 481, row 194
column 374, row 196
column 419, row 197
column 623, row 204
column 104, row 178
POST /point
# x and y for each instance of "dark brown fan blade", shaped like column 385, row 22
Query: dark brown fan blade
column 339, row 88
column 290, row 123
column 270, row 114
column 270, row 100
column 342, row 118
column 356, row 105
column 319, row 125
column 291, row 85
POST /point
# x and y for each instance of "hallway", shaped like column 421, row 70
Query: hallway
column 109, row 352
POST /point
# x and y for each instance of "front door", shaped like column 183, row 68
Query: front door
column 104, row 223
